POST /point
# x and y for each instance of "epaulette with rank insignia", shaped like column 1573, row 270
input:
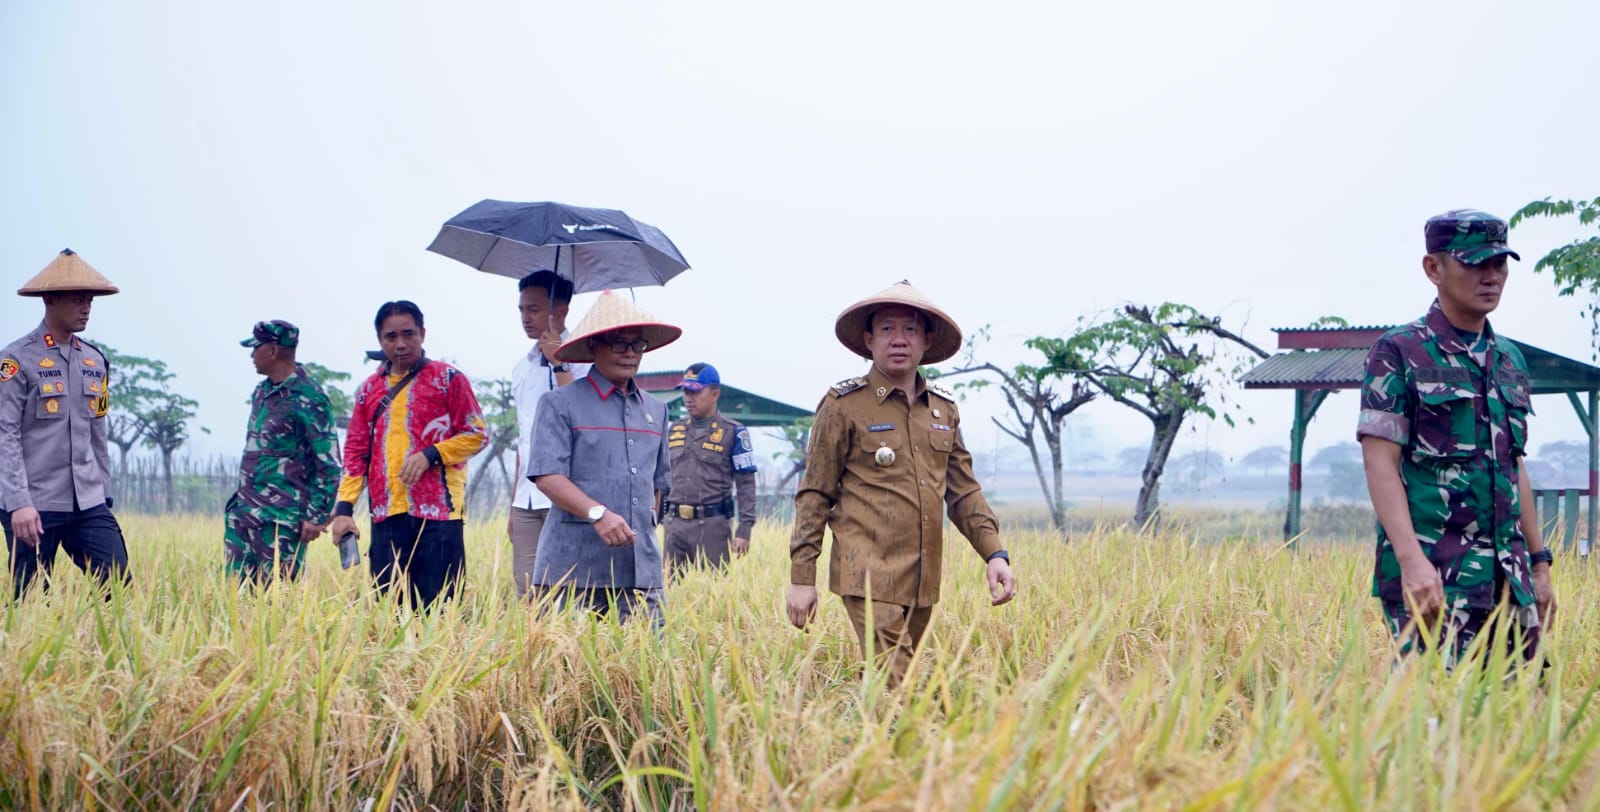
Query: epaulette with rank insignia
column 848, row 385
column 941, row 391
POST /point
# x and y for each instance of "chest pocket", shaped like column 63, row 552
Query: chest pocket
column 1517, row 392
column 1445, row 427
column 92, row 383
column 870, row 437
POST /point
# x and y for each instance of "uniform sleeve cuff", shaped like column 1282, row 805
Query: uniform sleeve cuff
column 803, row 574
column 432, row 453
column 1384, row 426
column 344, row 509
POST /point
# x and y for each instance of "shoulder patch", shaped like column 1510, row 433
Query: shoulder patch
column 848, row 385
column 8, row 369
column 941, row 391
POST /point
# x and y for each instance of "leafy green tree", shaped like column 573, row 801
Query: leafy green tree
column 1040, row 398
column 1576, row 265
column 1267, row 459
column 1166, row 362
column 133, row 384
column 166, row 419
column 498, row 401
column 798, row 436
column 340, row 402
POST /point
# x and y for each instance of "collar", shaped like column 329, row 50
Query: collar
column 1448, row 337
column 42, row 334
column 388, row 366
column 299, row 372
column 605, row 388
column 881, row 386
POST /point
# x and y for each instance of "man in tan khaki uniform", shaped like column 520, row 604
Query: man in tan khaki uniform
column 713, row 461
column 885, row 456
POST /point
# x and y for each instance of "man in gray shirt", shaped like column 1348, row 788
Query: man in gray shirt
column 55, row 469
column 599, row 453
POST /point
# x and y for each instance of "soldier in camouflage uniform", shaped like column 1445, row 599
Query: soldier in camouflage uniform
column 713, row 461
column 1443, row 431
column 290, row 472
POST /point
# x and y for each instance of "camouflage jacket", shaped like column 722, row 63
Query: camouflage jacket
column 1460, row 415
column 290, row 470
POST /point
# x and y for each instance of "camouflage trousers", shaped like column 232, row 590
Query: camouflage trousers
column 699, row 541
column 1513, row 628
column 252, row 547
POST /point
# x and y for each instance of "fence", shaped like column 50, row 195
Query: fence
column 204, row 485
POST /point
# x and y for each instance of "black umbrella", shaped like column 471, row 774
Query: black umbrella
column 595, row 248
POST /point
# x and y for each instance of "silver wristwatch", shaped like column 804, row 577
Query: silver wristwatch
column 596, row 513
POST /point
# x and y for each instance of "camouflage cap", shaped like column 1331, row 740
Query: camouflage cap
column 1471, row 236
column 276, row 331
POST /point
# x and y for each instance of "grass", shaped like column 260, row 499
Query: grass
column 1131, row 672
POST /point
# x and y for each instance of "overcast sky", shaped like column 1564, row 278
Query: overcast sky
column 1022, row 164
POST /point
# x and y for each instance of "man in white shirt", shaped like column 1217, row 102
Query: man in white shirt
column 543, row 299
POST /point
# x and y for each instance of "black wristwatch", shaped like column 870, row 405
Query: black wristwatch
column 999, row 554
column 1542, row 557
column 561, row 367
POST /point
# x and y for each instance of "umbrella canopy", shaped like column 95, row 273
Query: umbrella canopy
column 595, row 248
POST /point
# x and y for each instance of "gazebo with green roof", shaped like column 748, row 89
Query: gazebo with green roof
column 742, row 405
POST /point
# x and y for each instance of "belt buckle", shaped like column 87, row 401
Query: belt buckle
column 686, row 512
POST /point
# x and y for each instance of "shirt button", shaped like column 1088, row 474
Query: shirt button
column 633, row 470
column 922, row 482
column 630, row 441
column 636, row 500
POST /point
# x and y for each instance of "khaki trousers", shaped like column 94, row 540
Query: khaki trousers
column 896, row 632
column 526, row 525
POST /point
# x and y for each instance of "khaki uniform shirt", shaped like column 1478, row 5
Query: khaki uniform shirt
column 53, row 402
column 878, row 472
column 710, row 458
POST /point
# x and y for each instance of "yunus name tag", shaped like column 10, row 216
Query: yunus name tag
column 881, row 427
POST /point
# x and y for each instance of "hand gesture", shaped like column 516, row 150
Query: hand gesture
column 802, row 604
column 1002, row 584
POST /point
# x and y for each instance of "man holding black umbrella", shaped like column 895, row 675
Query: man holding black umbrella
column 542, row 301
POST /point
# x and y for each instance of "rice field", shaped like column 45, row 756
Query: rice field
column 1132, row 672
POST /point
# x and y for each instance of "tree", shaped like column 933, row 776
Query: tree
column 1267, row 459
column 498, row 401
column 133, row 384
column 1130, row 460
column 1569, row 457
column 1151, row 359
column 1196, row 468
column 798, row 436
column 340, row 403
column 166, row 418
column 1575, row 265
column 1331, row 456
column 1038, row 408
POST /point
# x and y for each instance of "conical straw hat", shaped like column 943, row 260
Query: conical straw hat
column 851, row 326
column 612, row 312
column 67, row 272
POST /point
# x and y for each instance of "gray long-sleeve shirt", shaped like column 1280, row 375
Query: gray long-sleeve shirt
column 53, row 403
column 612, row 444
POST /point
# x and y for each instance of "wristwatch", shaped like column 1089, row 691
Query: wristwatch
column 1000, row 554
column 596, row 513
column 1542, row 557
column 561, row 367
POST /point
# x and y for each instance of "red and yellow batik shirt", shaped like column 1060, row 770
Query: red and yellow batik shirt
column 436, row 415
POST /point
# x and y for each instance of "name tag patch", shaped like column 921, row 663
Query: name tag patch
column 941, row 427
column 881, row 427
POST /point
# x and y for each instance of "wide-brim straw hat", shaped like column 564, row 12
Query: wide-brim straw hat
column 612, row 312
column 67, row 272
column 851, row 326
